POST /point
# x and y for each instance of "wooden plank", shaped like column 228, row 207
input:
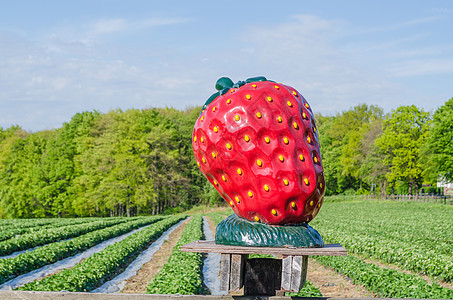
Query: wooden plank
column 299, row 273
column 237, row 271
column 287, row 263
column 296, row 272
column 303, row 278
column 225, row 266
column 35, row 295
column 212, row 247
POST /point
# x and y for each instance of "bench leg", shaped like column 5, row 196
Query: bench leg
column 225, row 269
column 294, row 273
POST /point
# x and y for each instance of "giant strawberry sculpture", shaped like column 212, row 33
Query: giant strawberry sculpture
column 256, row 142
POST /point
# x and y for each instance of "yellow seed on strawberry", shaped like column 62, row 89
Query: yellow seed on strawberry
column 247, row 138
column 266, row 188
column 259, row 162
column 269, row 98
column 281, row 158
column 250, row 193
column 237, row 117
column 248, row 97
column 285, row 181
column 274, row 212
column 267, row 140
column 258, row 115
column 239, row 171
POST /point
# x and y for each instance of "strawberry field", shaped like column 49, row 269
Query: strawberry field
column 395, row 250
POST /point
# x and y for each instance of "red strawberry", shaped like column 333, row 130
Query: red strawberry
column 256, row 142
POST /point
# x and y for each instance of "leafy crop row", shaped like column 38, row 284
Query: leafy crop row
column 28, row 261
column 415, row 236
column 14, row 229
column 183, row 272
column 102, row 266
column 388, row 283
column 45, row 236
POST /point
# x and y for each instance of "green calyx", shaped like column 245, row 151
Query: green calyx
column 224, row 84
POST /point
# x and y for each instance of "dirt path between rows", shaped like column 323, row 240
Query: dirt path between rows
column 332, row 284
column 137, row 284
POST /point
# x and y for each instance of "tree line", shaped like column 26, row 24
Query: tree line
column 135, row 162
column 121, row 163
column 366, row 151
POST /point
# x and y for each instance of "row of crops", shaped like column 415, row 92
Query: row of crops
column 415, row 237
column 102, row 266
column 53, row 252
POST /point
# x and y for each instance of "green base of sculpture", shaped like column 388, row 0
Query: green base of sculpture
column 237, row 231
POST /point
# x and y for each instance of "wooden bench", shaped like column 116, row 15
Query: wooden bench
column 262, row 276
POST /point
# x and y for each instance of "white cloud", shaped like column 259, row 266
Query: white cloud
column 421, row 67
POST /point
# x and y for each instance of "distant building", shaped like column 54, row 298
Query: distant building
column 448, row 186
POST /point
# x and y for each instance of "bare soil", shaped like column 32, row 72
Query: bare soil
column 137, row 284
column 332, row 284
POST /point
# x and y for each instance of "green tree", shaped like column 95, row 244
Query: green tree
column 342, row 147
column 405, row 131
column 438, row 151
column 373, row 170
column 18, row 178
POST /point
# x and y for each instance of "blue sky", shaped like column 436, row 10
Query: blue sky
column 58, row 58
